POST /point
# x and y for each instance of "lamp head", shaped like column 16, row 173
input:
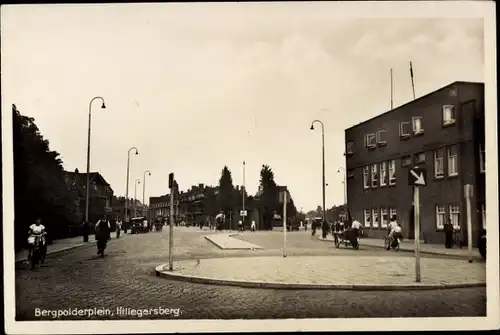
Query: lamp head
column 103, row 105
column 149, row 173
column 136, row 151
column 312, row 127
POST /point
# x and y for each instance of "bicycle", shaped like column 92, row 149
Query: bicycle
column 394, row 243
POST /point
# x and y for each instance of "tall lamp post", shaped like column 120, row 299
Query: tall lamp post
column 144, row 191
column 345, row 189
column 134, row 205
column 128, row 181
column 87, row 189
column 323, row 164
column 243, row 217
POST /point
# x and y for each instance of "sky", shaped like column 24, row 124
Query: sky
column 198, row 86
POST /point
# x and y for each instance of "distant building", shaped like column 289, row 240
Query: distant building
column 442, row 132
column 100, row 197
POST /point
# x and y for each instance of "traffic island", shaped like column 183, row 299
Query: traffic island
column 327, row 272
column 225, row 241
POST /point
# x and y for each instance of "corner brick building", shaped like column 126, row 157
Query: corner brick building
column 442, row 132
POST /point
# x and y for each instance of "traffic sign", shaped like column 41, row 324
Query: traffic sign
column 243, row 212
column 170, row 180
column 417, row 176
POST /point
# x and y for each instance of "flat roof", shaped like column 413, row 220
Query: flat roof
column 414, row 101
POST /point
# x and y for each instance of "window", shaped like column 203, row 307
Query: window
column 392, row 214
column 483, row 215
column 438, row 164
column 381, row 139
column 406, row 161
column 350, row 148
column 375, row 218
column 440, row 217
column 455, row 216
column 418, row 127
column 107, row 202
column 448, row 114
column 404, row 130
column 383, row 218
column 366, row 177
column 420, row 158
column 383, row 173
column 392, row 172
column 370, row 141
column 367, row 218
column 350, row 173
column 482, row 159
column 452, row 161
column 374, row 175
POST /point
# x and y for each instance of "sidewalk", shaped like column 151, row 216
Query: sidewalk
column 62, row 245
column 434, row 249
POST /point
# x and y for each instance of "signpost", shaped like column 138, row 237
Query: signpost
column 284, row 196
column 243, row 213
column 171, row 234
column 417, row 178
column 469, row 193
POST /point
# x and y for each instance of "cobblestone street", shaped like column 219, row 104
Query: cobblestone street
column 78, row 278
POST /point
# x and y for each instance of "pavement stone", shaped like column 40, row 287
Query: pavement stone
column 227, row 242
column 125, row 278
column 338, row 271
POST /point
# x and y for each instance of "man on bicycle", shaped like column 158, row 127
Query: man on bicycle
column 394, row 231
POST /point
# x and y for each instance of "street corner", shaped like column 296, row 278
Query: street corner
column 324, row 272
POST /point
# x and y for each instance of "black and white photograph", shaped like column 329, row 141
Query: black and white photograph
column 249, row 166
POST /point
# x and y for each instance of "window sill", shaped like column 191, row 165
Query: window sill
column 449, row 123
column 391, row 185
column 452, row 176
column 382, row 144
column 418, row 133
column 405, row 137
column 371, row 148
column 482, row 171
column 383, row 185
column 438, row 177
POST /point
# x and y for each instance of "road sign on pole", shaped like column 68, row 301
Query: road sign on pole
column 284, row 222
column 284, row 196
column 171, row 234
column 417, row 176
column 469, row 192
column 243, row 213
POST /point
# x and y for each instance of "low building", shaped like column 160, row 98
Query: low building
column 441, row 132
column 100, row 196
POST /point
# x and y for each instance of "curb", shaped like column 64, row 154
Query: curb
column 161, row 272
column 255, row 247
column 411, row 250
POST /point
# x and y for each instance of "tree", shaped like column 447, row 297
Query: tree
column 225, row 197
column 269, row 198
column 39, row 183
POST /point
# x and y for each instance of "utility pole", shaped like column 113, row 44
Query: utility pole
column 171, row 233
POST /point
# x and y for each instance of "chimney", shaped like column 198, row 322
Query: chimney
column 76, row 171
column 200, row 186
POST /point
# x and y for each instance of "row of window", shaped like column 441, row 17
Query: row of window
column 371, row 217
column 380, row 174
column 407, row 129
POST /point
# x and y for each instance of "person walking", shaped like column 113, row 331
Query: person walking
column 119, row 225
column 448, row 234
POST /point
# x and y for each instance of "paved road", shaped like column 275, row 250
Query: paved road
column 125, row 278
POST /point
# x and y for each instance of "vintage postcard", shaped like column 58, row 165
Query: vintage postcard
column 234, row 167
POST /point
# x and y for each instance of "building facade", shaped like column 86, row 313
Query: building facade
column 442, row 132
column 101, row 194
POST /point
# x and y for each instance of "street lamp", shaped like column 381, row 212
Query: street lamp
column 144, row 191
column 345, row 189
column 323, row 163
column 87, row 189
column 137, row 181
column 128, row 178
